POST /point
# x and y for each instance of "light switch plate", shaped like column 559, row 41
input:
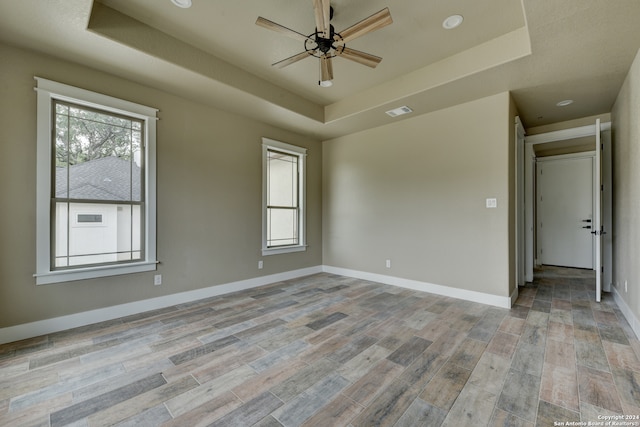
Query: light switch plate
column 492, row 203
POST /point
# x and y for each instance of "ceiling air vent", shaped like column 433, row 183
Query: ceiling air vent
column 399, row 111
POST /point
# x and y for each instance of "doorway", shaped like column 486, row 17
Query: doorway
column 564, row 210
column 528, row 150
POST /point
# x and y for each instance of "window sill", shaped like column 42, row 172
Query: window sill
column 283, row 250
column 61, row 276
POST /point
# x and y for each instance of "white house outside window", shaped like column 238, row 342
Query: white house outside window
column 96, row 185
column 283, row 197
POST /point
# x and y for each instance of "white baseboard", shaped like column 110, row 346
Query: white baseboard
column 480, row 297
column 627, row 312
column 57, row 324
column 43, row 327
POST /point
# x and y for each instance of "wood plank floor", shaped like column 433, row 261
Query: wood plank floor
column 327, row 350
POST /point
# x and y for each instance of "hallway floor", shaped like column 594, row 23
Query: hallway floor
column 328, row 350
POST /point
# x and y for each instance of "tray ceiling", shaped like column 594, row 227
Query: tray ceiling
column 543, row 51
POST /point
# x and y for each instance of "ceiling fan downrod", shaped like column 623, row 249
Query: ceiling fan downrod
column 324, row 44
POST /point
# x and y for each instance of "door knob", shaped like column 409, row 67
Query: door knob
column 586, row 220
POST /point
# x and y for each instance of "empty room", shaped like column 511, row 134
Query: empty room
column 319, row 213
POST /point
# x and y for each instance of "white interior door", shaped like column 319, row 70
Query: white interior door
column 598, row 229
column 565, row 211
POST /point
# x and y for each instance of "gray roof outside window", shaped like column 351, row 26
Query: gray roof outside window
column 108, row 178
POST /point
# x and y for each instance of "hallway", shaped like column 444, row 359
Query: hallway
column 589, row 352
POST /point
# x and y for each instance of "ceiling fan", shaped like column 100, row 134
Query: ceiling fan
column 325, row 43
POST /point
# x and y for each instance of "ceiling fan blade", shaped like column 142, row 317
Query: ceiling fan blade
column 270, row 25
column 372, row 23
column 361, row 57
column 326, row 68
column 322, row 12
column 292, row 59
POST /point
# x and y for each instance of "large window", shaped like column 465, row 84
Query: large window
column 283, row 197
column 96, row 185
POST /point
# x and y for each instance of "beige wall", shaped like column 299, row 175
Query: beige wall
column 414, row 192
column 209, row 196
column 626, row 189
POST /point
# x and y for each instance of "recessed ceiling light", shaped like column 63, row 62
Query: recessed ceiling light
column 182, row 3
column 452, row 22
column 565, row 103
column 399, row 111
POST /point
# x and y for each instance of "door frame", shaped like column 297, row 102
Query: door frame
column 520, row 172
column 525, row 163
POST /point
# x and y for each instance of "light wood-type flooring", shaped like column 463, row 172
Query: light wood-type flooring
column 328, row 350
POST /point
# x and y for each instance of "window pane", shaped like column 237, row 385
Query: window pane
column 282, row 179
column 129, row 223
column 136, row 168
column 116, row 238
column 282, row 227
column 97, row 155
column 61, row 242
column 61, row 151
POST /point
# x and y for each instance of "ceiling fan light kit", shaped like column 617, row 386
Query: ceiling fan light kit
column 325, row 43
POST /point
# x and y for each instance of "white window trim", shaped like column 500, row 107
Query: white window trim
column 302, row 153
column 46, row 91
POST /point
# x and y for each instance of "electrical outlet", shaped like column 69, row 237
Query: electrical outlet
column 260, row 265
column 492, row 203
column 157, row 279
column 388, row 263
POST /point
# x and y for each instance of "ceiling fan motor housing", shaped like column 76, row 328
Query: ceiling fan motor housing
column 325, row 45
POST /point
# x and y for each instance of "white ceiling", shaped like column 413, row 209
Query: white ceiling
column 543, row 51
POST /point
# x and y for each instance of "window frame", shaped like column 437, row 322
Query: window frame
column 301, row 154
column 47, row 91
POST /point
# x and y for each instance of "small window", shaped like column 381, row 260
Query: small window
column 89, row 218
column 96, row 185
column 283, row 198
